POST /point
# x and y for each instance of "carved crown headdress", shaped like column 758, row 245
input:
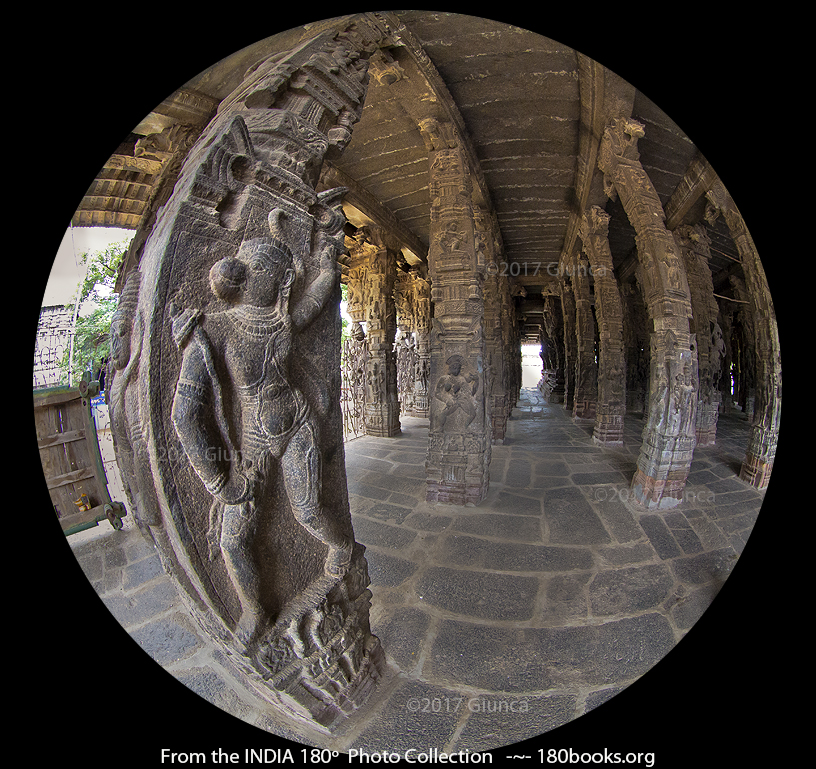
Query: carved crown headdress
column 272, row 250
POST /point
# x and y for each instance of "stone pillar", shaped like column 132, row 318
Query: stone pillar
column 404, row 344
column 726, row 322
column 382, row 398
column 422, row 369
column 743, row 344
column 570, row 343
column 669, row 434
column 693, row 242
column 512, row 349
column 460, row 431
column 586, row 369
column 611, row 399
column 230, row 382
column 487, row 248
column 761, row 451
column 554, row 329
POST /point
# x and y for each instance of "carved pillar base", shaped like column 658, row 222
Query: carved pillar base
column 759, row 457
column 383, row 421
column 583, row 409
column 421, row 408
column 499, row 417
column 458, row 475
column 707, row 415
column 663, row 467
column 318, row 662
column 608, row 430
column 558, row 392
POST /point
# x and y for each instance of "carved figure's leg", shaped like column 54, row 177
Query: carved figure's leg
column 237, row 532
column 301, row 474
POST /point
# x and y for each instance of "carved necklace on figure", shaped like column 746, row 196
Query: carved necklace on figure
column 259, row 321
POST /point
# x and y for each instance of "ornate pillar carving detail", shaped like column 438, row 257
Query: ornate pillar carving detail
column 382, row 399
column 611, row 398
column 570, row 340
column 693, row 242
column 554, row 331
column 422, row 365
column 669, row 434
column 460, row 430
column 761, row 450
column 487, row 249
column 404, row 342
column 231, row 386
column 586, row 369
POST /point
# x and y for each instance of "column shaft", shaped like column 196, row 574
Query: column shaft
column 460, row 432
column 611, row 400
column 669, row 434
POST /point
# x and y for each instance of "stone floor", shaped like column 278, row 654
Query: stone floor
column 501, row 621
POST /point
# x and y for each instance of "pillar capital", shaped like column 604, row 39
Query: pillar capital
column 619, row 142
column 594, row 221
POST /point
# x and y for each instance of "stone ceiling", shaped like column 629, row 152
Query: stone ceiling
column 530, row 109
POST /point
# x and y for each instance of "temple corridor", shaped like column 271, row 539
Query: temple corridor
column 444, row 382
column 552, row 595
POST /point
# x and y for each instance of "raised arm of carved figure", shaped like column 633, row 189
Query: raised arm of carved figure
column 322, row 287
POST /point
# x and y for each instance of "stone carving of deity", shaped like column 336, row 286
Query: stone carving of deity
column 241, row 356
column 452, row 390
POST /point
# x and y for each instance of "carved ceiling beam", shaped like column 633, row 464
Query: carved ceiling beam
column 372, row 210
column 604, row 96
column 696, row 182
column 420, row 74
column 130, row 163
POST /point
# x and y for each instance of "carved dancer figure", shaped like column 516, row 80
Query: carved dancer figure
column 242, row 355
column 450, row 389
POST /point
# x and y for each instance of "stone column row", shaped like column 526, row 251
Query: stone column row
column 761, row 450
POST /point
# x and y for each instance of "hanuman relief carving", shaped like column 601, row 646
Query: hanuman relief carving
column 241, row 355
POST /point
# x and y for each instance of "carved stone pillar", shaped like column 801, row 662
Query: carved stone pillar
column 611, row 399
column 404, row 344
column 493, row 326
column 669, row 434
column 460, row 431
column 512, row 346
column 382, row 399
column 235, row 338
column 554, row 329
column 422, row 367
column 570, row 343
column 586, row 369
column 761, row 451
column 726, row 322
column 693, row 243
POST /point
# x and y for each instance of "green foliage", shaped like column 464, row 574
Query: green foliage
column 345, row 324
column 92, row 338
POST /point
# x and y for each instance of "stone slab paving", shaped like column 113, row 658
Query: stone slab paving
column 500, row 621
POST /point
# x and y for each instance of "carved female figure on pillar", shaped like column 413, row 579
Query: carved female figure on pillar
column 242, row 355
column 451, row 390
